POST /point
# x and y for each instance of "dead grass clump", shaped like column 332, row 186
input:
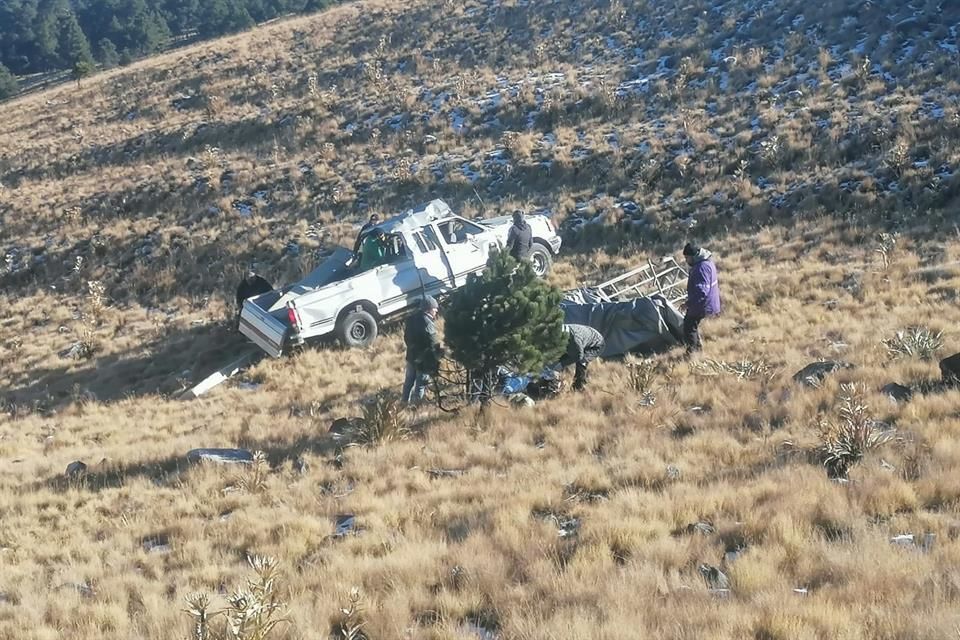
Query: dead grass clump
column 255, row 478
column 845, row 441
column 384, row 419
column 349, row 622
column 742, row 370
column 914, row 342
column 252, row 613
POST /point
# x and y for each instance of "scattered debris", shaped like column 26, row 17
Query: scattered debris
column 813, row 374
column 220, row 456
column 908, row 540
column 522, row 400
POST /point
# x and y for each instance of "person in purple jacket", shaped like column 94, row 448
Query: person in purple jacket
column 703, row 294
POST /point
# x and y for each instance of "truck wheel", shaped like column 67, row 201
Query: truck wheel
column 541, row 259
column 357, row 329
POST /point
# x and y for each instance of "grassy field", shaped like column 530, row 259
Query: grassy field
column 812, row 147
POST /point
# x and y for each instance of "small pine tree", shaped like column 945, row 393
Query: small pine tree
column 506, row 317
column 8, row 83
column 107, row 53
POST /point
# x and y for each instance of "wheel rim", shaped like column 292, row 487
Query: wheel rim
column 358, row 331
column 539, row 264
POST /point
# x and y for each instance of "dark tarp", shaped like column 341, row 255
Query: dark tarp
column 644, row 325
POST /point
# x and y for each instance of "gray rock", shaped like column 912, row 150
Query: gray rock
column 714, row 578
column 446, row 473
column 897, row 392
column 300, row 466
column 814, row 373
column 159, row 544
column 701, row 528
column 346, row 524
column 220, row 456
column 950, row 369
column 343, row 426
column 75, row 469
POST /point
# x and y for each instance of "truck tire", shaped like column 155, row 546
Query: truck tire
column 541, row 259
column 357, row 328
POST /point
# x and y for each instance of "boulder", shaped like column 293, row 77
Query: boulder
column 346, row 524
column 75, row 469
column 897, row 392
column 950, row 369
column 814, row 373
column 715, row 578
column 220, row 456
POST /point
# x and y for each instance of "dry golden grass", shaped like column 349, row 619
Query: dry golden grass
column 118, row 218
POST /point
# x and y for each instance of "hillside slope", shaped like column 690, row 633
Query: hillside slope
column 813, row 148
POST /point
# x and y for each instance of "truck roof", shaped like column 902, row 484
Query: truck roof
column 413, row 219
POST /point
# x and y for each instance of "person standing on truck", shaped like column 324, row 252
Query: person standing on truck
column 703, row 294
column 520, row 238
column 374, row 250
column 367, row 227
column 585, row 344
column 423, row 350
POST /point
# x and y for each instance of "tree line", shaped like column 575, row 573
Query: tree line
column 49, row 35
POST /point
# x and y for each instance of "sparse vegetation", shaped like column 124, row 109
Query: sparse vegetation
column 915, row 342
column 385, row 419
column 164, row 180
column 252, row 613
column 846, row 440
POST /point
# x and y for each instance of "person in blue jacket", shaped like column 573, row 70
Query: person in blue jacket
column 703, row 294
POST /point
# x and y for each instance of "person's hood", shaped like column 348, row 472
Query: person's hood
column 702, row 255
column 521, row 225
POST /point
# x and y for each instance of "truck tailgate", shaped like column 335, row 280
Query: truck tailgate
column 262, row 328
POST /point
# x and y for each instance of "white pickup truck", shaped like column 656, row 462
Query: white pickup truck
column 432, row 251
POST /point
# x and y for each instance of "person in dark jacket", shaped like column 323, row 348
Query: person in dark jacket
column 703, row 294
column 364, row 230
column 252, row 285
column 423, row 350
column 520, row 238
column 585, row 344
column 374, row 250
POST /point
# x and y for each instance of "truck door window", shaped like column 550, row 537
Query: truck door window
column 430, row 238
column 455, row 231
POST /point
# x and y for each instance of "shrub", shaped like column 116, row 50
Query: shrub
column 914, row 342
column 505, row 318
column 251, row 613
column 846, row 441
column 384, row 419
column 8, row 83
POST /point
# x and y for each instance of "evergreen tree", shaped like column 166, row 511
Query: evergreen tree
column 107, row 53
column 73, row 49
column 506, row 317
column 8, row 83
